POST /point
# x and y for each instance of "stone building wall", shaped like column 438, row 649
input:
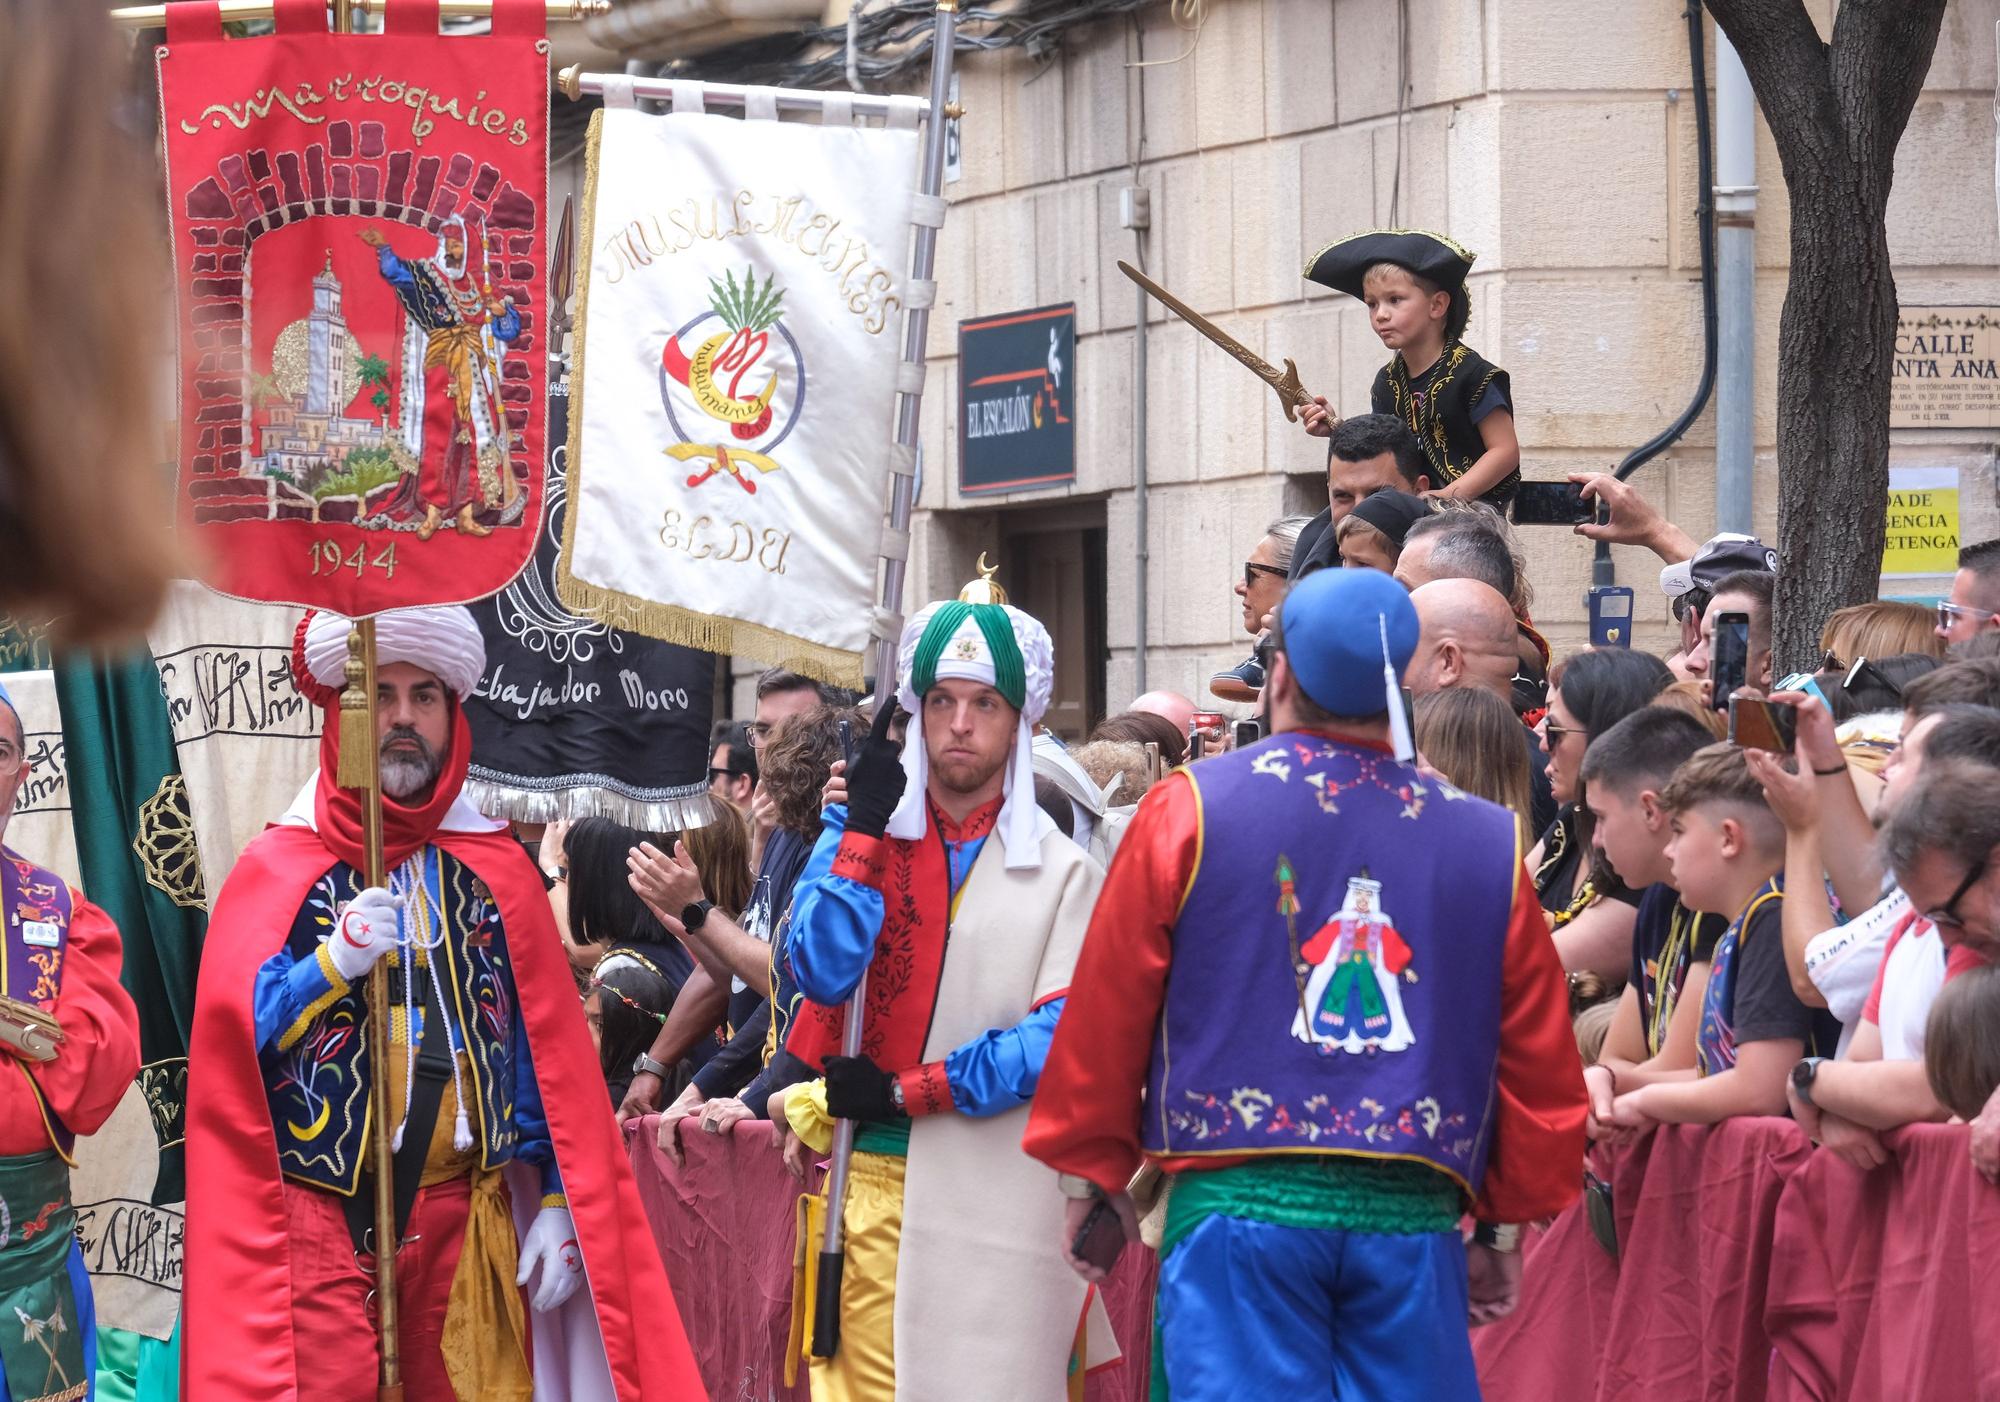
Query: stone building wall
column 1554, row 137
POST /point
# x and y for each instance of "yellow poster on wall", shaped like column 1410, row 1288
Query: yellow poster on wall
column 1923, row 521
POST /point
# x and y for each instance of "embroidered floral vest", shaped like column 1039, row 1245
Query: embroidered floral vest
column 317, row 1074
column 1337, row 963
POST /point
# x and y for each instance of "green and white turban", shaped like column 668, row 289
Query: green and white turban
column 1004, row 648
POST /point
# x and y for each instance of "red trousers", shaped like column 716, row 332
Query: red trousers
column 333, row 1320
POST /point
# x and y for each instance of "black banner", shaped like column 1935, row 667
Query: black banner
column 573, row 719
column 1017, row 400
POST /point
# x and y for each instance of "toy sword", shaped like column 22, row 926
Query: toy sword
column 1291, row 394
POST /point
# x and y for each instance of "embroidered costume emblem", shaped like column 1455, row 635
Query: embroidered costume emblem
column 1351, row 1002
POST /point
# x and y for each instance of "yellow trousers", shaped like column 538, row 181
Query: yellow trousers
column 863, row 1368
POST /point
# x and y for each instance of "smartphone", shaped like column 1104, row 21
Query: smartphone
column 1247, row 732
column 846, row 728
column 1101, row 1238
column 1728, row 658
column 1762, row 725
column 1552, row 504
column 1611, row 616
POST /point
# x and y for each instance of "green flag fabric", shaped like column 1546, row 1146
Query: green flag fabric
column 136, row 852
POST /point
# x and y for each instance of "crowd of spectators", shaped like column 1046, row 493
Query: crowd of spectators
column 1797, row 929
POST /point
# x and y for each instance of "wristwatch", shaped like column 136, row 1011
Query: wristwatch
column 644, row 1065
column 896, row 1094
column 1802, row 1077
column 692, row 916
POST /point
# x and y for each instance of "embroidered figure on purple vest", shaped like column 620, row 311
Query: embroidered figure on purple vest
column 1352, row 998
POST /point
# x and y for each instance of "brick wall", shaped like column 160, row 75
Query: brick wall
column 351, row 172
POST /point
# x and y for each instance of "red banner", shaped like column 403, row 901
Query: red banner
column 360, row 230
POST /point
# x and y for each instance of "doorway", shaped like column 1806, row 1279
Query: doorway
column 1055, row 569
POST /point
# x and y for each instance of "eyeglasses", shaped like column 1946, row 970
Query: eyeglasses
column 11, row 759
column 1556, row 732
column 722, row 775
column 1946, row 916
column 1251, row 569
column 758, row 732
column 1946, row 612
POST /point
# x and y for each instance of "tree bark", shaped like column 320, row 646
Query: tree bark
column 1836, row 112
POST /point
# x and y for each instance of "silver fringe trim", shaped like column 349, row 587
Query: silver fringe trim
column 668, row 810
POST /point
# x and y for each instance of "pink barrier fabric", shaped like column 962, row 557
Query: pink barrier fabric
column 1885, row 1284
column 724, row 1223
column 1754, row 1266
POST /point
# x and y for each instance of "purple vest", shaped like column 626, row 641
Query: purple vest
column 1337, row 963
column 34, row 941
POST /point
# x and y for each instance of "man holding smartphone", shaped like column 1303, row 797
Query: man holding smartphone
column 1744, row 595
column 1369, row 1035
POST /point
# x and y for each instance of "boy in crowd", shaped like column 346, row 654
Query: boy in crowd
column 1726, row 851
column 1623, row 774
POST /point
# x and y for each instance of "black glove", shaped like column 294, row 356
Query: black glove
column 858, row 1089
column 875, row 780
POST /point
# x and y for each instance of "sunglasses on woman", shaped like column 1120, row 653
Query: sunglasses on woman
column 1251, row 569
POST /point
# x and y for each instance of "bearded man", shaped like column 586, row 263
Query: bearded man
column 69, row 1048
column 944, row 883
column 499, row 1182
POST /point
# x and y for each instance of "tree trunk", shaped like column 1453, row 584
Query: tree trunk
column 1836, row 112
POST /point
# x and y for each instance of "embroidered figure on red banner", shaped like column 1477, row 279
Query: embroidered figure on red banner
column 454, row 345
column 1352, row 997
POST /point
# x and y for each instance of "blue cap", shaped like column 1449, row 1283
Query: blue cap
column 1334, row 624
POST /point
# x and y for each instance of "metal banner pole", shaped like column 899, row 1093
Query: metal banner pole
column 916, row 330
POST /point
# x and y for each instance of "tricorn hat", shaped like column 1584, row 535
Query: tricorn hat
column 1343, row 263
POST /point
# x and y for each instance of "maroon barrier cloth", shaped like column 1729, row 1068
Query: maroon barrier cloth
column 1885, row 1284
column 724, row 1223
column 1550, row 1345
column 1684, row 1303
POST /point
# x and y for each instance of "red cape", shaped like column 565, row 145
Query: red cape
column 237, row 1302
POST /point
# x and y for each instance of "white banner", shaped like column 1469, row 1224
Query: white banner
column 738, row 335
column 245, row 737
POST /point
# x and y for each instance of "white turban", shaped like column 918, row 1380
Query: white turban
column 1001, row 647
column 443, row 641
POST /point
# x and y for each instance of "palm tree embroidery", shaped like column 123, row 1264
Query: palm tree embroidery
column 373, row 370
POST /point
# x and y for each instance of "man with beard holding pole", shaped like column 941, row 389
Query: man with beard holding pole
column 495, row 1182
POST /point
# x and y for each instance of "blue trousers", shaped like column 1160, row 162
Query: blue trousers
column 1251, row 1312
column 86, row 1318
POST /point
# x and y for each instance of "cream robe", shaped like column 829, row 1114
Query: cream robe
column 986, row 1308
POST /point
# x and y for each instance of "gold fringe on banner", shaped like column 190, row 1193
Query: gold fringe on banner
column 707, row 632
column 728, row 637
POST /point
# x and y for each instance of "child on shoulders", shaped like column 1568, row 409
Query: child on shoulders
column 1458, row 404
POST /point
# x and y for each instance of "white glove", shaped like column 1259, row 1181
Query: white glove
column 365, row 931
column 551, row 1245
